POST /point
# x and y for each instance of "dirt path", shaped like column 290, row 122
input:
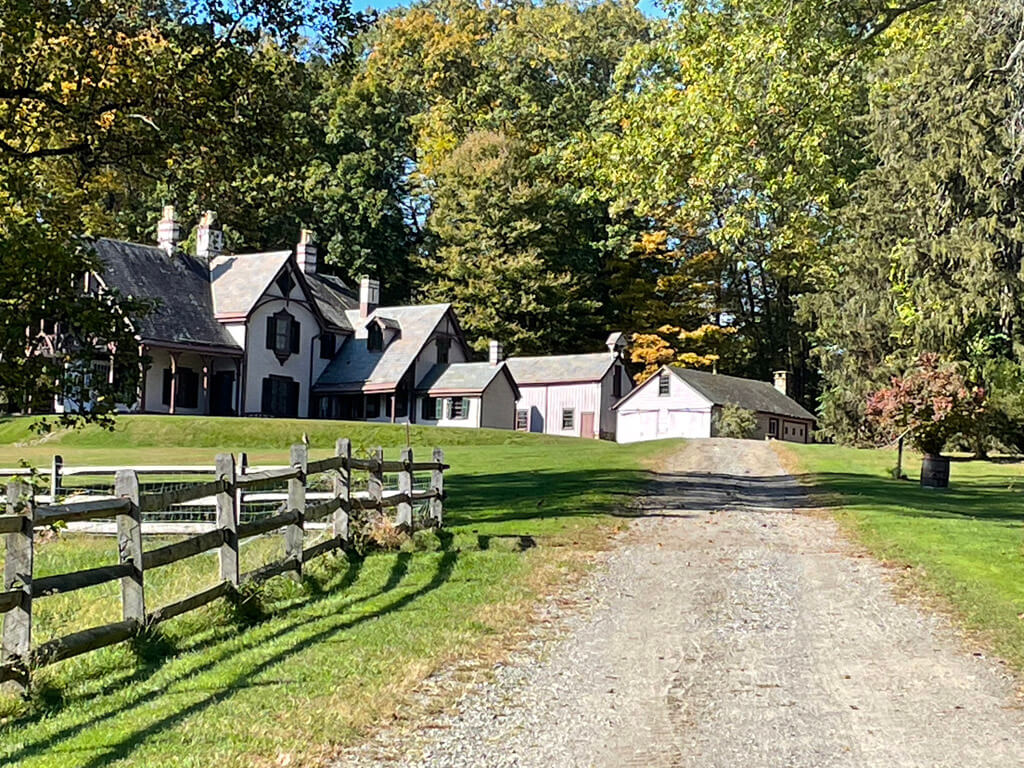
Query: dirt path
column 729, row 630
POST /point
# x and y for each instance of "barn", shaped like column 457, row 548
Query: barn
column 681, row 402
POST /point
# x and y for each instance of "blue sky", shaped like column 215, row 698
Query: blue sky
column 647, row 6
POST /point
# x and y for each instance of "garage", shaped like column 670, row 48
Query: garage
column 682, row 403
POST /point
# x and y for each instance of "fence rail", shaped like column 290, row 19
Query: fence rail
column 126, row 505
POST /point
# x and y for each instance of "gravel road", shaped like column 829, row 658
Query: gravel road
column 728, row 628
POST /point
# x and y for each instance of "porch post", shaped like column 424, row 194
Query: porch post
column 207, row 364
column 174, row 381
column 142, row 379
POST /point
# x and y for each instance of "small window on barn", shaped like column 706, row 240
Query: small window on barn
column 522, row 420
column 664, row 384
column 568, row 419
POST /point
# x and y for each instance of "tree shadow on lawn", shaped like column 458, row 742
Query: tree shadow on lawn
column 549, row 494
column 981, row 497
column 294, row 626
column 543, row 495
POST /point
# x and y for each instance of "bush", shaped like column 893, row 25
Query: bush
column 735, row 421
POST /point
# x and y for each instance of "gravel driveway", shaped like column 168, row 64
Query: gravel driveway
column 729, row 628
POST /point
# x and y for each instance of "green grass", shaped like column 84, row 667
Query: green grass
column 337, row 653
column 965, row 544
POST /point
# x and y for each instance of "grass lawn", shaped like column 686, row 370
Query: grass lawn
column 965, row 545
column 327, row 658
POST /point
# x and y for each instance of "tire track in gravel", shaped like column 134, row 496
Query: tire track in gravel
column 728, row 629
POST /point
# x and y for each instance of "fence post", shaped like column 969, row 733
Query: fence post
column 404, row 512
column 129, row 546
column 375, row 482
column 17, row 633
column 227, row 519
column 297, row 501
column 343, row 487
column 437, row 486
column 56, row 468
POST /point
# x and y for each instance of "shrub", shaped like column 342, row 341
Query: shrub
column 735, row 421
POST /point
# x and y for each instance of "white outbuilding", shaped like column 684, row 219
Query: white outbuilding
column 682, row 402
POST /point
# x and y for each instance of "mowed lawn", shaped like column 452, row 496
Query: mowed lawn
column 964, row 545
column 299, row 669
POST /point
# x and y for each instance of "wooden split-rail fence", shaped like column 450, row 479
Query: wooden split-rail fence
column 23, row 515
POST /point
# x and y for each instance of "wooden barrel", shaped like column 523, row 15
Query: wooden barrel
column 935, row 472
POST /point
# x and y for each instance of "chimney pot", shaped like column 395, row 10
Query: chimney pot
column 369, row 296
column 496, row 353
column 305, row 252
column 209, row 238
column 168, row 233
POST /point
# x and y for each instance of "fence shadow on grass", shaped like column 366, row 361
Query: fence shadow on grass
column 293, row 626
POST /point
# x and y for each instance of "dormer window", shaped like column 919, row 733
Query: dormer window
column 443, row 345
column 285, row 283
column 283, row 335
column 374, row 338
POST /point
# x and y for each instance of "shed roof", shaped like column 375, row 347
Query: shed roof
column 560, row 369
column 748, row 393
column 464, row 378
column 356, row 368
column 179, row 285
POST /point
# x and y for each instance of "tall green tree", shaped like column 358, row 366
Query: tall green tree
column 106, row 103
column 737, row 125
column 512, row 86
column 934, row 245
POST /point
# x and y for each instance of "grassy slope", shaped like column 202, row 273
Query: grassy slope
column 965, row 544
column 340, row 651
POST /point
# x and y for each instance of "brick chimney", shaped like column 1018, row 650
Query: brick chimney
column 782, row 382
column 369, row 296
column 209, row 238
column 168, row 233
column 305, row 252
column 496, row 353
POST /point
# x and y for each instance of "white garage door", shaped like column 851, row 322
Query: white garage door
column 634, row 426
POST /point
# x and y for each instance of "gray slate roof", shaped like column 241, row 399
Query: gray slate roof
column 180, row 286
column 239, row 280
column 357, row 369
column 748, row 393
column 560, row 368
column 453, row 378
column 333, row 298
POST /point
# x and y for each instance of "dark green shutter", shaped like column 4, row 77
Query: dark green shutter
column 294, row 337
column 293, row 398
column 267, row 396
column 271, row 332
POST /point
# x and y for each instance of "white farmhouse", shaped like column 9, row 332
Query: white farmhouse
column 571, row 394
column 265, row 334
column 682, row 402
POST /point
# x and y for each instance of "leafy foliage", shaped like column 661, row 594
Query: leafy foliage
column 735, row 421
column 929, row 404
